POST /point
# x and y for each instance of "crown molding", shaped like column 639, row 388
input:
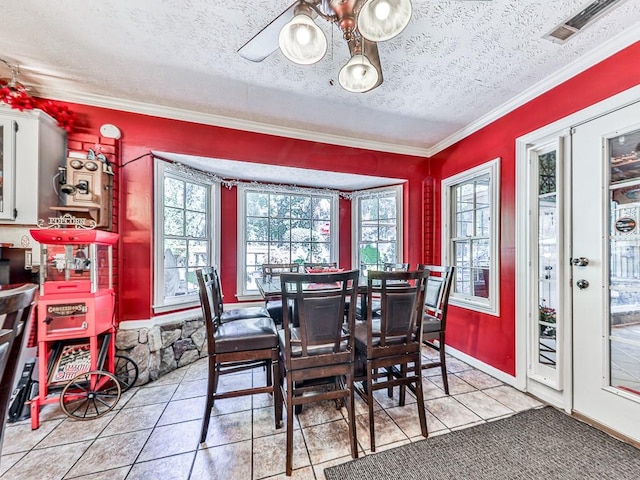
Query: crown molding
column 227, row 122
column 608, row 48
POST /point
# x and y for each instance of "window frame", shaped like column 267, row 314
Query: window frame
column 242, row 292
column 398, row 191
column 490, row 305
column 162, row 169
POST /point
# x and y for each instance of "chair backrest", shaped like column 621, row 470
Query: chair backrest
column 402, row 297
column 438, row 290
column 275, row 269
column 207, row 280
column 318, row 303
column 310, row 266
column 16, row 305
column 395, row 267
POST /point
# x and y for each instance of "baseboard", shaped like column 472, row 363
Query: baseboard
column 484, row 367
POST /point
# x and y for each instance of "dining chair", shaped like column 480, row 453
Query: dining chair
column 388, row 347
column 273, row 303
column 16, row 306
column 233, row 314
column 434, row 322
column 361, row 309
column 234, row 346
column 317, row 353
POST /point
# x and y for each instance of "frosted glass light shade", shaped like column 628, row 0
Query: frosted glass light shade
column 358, row 75
column 380, row 20
column 302, row 41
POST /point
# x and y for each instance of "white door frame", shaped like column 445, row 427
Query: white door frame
column 562, row 396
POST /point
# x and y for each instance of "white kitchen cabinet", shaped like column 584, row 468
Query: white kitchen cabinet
column 32, row 147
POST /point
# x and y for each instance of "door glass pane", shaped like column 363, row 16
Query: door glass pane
column 547, row 258
column 624, row 266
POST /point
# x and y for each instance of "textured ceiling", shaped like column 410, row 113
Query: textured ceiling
column 455, row 62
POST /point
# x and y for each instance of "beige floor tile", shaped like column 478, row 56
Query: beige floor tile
column 478, row 379
column 71, row 431
column 228, row 462
column 176, row 467
column 196, row 370
column 483, row 405
column 264, row 422
column 176, row 376
column 230, row 428
column 262, row 400
column 20, row 438
column 381, row 396
column 8, row 461
column 182, row 411
column 231, row 405
column 270, row 454
column 135, row 418
column 430, row 390
column 196, row 388
column 115, row 474
column 512, row 398
column 321, row 450
column 305, row 473
column 385, row 429
column 110, row 452
column 171, row 440
column 456, row 385
column 455, row 366
column 451, row 412
column 318, row 413
column 47, row 463
column 409, row 422
column 148, row 395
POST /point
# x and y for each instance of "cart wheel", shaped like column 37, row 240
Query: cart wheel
column 90, row 395
column 126, row 371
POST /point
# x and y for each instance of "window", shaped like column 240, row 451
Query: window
column 284, row 226
column 185, row 220
column 470, row 236
column 377, row 218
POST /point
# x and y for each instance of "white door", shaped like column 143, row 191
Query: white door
column 606, row 270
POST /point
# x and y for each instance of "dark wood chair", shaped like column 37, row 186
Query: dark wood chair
column 388, row 347
column 235, row 346
column 317, row 354
column 361, row 309
column 434, row 322
column 274, row 303
column 16, row 305
column 233, row 314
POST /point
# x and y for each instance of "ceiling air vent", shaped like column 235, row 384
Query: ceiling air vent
column 585, row 17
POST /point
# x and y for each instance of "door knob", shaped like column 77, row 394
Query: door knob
column 580, row 262
column 582, row 284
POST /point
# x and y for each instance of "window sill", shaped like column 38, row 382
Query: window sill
column 478, row 306
column 172, row 307
column 253, row 297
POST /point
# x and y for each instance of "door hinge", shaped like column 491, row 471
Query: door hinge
column 15, row 213
column 15, row 126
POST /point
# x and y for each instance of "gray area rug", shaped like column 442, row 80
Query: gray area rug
column 536, row 444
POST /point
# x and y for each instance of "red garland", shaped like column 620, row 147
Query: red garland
column 19, row 99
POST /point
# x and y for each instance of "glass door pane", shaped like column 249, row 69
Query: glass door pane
column 624, row 266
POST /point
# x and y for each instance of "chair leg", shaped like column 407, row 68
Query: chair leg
column 389, row 378
column 351, row 406
column 370, row 401
column 403, row 388
column 212, row 384
column 277, row 391
column 289, row 467
column 420, row 398
column 268, row 373
column 443, row 364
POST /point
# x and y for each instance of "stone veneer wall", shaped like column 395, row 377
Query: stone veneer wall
column 163, row 348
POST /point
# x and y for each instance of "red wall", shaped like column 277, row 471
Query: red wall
column 142, row 133
column 485, row 337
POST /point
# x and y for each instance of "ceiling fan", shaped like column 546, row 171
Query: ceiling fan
column 363, row 23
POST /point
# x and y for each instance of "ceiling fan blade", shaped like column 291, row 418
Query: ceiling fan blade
column 265, row 42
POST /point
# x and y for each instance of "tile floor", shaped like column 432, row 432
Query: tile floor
column 153, row 433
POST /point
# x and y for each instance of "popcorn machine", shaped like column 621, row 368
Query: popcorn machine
column 77, row 364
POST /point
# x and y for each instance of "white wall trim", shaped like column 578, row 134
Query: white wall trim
column 486, row 368
column 607, row 49
column 228, row 122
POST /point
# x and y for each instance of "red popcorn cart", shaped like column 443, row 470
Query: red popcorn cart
column 77, row 365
